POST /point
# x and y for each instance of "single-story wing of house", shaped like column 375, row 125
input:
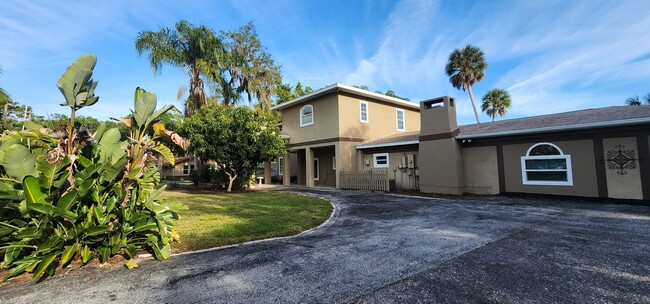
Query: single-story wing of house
column 343, row 137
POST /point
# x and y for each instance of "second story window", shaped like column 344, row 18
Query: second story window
column 306, row 115
column 400, row 120
column 363, row 111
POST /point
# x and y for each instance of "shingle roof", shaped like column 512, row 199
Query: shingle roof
column 397, row 138
column 585, row 118
column 552, row 122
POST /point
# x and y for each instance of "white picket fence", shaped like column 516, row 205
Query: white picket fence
column 376, row 180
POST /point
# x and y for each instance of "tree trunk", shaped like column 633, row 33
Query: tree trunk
column 231, row 178
column 471, row 97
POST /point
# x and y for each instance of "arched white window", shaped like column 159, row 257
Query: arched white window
column 546, row 164
column 306, row 115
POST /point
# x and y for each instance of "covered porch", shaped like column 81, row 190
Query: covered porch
column 315, row 166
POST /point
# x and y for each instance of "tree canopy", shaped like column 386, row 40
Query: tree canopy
column 637, row 101
column 286, row 92
column 236, row 138
column 187, row 47
column 465, row 68
column 496, row 102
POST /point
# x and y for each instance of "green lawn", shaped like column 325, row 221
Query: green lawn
column 217, row 219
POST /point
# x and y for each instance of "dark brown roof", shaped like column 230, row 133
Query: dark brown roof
column 585, row 118
column 407, row 136
column 567, row 119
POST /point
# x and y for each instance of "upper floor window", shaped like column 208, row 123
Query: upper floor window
column 546, row 164
column 363, row 111
column 400, row 120
column 306, row 115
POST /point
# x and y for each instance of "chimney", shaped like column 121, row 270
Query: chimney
column 438, row 115
column 441, row 162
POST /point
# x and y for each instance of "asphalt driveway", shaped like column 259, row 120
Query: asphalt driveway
column 385, row 248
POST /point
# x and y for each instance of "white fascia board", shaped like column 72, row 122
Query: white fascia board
column 590, row 125
column 347, row 88
column 391, row 144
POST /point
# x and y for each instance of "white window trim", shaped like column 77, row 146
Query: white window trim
column 312, row 116
column 403, row 120
column 317, row 171
column 567, row 158
column 334, row 162
column 280, row 165
column 380, row 166
column 186, row 169
column 361, row 102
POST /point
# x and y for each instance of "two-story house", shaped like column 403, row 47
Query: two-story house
column 323, row 129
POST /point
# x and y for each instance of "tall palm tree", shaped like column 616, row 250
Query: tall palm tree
column 496, row 102
column 187, row 47
column 465, row 68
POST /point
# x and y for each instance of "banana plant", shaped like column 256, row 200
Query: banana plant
column 66, row 197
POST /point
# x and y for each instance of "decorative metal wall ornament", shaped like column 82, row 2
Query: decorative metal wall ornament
column 620, row 159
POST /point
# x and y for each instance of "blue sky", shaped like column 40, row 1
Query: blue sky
column 552, row 56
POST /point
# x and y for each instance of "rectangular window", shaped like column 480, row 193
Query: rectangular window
column 380, row 160
column 186, row 169
column 316, row 173
column 280, row 166
column 334, row 163
column 363, row 111
column 551, row 170
column 400, row 120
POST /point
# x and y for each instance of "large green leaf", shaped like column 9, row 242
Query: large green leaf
column 32, row 190
column 16, row 271
column 86, row 255
column 43, row 265
column 67, row 200
column 19, row 162
column 68, row 82
column 166, row 153
column 104, row 253
column 145, row 104
column 157, row 114
column 68, row 253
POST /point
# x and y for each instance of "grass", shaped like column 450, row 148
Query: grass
column 217, row 219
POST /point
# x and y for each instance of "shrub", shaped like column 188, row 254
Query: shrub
column 75, row 195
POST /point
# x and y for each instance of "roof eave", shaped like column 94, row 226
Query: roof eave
column 348, row 89
column 390, row 144
column 613, row 123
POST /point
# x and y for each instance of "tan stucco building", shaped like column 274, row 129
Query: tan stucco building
column 595, row 153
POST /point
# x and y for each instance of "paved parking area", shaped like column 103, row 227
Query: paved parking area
column 382, row 248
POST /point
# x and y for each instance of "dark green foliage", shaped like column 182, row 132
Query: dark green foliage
column 236, row 138
column 465, row 68
column 83, row 195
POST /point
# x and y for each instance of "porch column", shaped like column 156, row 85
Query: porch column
column 267, row 172
column 309, row 167
column 286, row 171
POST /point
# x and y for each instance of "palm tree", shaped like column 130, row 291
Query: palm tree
column 496, row 102
column 634, row 101
column 465, row 68
column 187, row 47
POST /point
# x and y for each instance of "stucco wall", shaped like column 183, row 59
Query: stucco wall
column 582, row 163
column 326, row 120
column 382, row 119
column 441, row 166
column 622, row 182
column 481, row 170
column 404, row 177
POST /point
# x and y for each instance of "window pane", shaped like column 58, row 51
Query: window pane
column 306, row 118
column 544, row 150
column 560, row 176
column 545, row 164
